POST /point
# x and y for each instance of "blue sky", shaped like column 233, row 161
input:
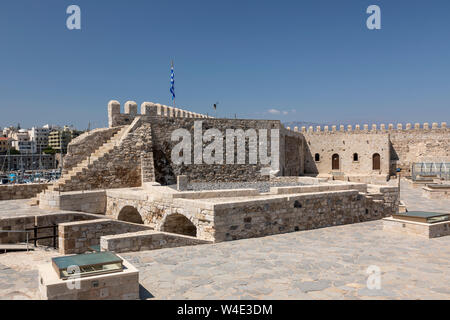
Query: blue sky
column 315, row 60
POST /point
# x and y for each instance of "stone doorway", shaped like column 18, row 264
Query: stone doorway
column 376, row 162
column 335, row 162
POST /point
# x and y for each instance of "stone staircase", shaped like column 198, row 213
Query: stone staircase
column 80, row 168
column 147, row 167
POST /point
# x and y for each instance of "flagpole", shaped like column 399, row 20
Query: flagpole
column 173, row 95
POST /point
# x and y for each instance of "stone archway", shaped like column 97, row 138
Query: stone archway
column 130, row 214
column 177, row 223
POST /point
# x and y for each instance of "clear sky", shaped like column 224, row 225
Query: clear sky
column 311, row 60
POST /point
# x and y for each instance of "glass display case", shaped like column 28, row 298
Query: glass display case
column 87, row 265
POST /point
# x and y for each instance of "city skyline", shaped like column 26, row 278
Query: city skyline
column 323, row 64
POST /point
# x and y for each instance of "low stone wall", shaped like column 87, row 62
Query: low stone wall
column 24, row 222
column 261, row 217
column 88, row 201
column 146, row 240
column 292, row 179
column 223, row 193
column 21, row 191
column 77, row 237
column 319, row 188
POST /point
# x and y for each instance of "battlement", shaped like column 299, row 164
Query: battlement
column 374, row 128
column 117, row 118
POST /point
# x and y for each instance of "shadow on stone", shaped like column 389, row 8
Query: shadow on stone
column 144, row 293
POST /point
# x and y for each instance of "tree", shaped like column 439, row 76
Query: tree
column 49, row 150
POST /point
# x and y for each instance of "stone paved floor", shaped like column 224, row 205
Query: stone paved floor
column 329, row 263
column 415, row 201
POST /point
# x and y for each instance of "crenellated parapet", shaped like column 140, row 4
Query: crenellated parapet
column 150, row 109
column 374, row 128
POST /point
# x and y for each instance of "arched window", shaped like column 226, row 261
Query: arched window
column 355, row 157
column 335, row 162
column 376, row 165
column 317, row 157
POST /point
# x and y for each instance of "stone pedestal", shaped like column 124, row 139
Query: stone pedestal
column 113, row 286
column 427, row 230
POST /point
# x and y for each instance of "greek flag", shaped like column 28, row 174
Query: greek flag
column 172, row 83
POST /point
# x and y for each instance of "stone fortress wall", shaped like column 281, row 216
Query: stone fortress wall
column 130, row 165
column 407, row 144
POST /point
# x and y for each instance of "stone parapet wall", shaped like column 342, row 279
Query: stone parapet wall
column 374, row 128
column 77, row 237
column 24, row 222
column 117, row 118
column 89, row 201
column 319, row 188
column 21, row 191
column 146, row 240
column 261, row 217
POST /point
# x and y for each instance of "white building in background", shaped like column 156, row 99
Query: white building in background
column 22, row 142
column 40, row 137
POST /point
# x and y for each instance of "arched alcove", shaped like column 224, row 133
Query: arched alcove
column 130, row 214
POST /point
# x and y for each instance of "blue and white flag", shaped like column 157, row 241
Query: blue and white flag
column 172, row 83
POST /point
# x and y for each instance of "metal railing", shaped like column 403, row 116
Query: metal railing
column 54, row 235
column 430, row 169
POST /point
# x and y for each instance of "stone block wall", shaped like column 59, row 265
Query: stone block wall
column 345, row 144
column 419, row 145
column 292, row 153
column 166, row 170
column 256, row 218
column 21, row 191
column 25, row 222
column 146, row 240
column 76, row 237
column 88, row 201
